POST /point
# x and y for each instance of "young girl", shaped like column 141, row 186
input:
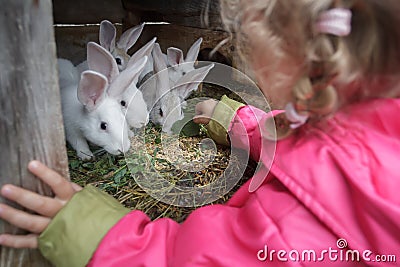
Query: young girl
column 331, row 69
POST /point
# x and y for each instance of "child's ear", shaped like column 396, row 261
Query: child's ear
column 174, row 56
column 107, row 35
column 91, row 89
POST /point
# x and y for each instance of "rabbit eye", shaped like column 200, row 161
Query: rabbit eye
column 118, row 60
column 103, row 126
column 123, row 103
column 161, row 112
column 183, row 73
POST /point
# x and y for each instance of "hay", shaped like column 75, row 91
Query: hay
column 118, row 175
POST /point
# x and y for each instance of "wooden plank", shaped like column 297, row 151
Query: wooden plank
column 183, row 37
column 87, row 11
column 193, row 13
column 72, row 40
column 30, row 112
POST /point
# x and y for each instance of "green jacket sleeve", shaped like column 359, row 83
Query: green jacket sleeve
column 74, row 233
column 223, row 114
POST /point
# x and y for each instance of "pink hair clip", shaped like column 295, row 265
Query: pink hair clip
column 336, row 21
column 295, row 118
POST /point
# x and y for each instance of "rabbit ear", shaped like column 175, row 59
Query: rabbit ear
column 175, row 56
column 127, row 77
column 91, row 89
column 159, row 62
column 191, row 80
column 101, row 60
column 161, row 71
column 129, row 37
column 107, row 35
column 194, row 51
column 142, row 52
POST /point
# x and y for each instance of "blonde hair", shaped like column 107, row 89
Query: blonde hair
column 325, row 71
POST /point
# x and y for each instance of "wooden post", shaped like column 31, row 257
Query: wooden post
column 30, row 112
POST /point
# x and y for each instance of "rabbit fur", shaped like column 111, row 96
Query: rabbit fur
column 165, row 98
column 130, row 100
column 178, row 66
column 89, row 113
column 119, row 49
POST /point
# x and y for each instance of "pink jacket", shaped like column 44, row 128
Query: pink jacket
column 331, row 197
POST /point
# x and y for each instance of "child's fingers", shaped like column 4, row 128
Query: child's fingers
column 199, row 119
column 206, row 108
column 204, row 111
column 21, row 219
column 200, row 107
column 19, row 241
column 76, row 187
column 43, row 205
column 61, row 187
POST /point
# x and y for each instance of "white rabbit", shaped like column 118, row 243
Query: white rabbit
column 89, row 113
column 130, row 100
column 119, row 49
column 179, row 65
column 68, row 74
column 165, row 98
column 175, row 60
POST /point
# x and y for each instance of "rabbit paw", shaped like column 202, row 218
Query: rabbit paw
column 85, row 155
column 131, row 134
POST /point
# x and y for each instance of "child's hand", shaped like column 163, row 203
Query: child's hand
column 45, row 207
column 204, row 111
